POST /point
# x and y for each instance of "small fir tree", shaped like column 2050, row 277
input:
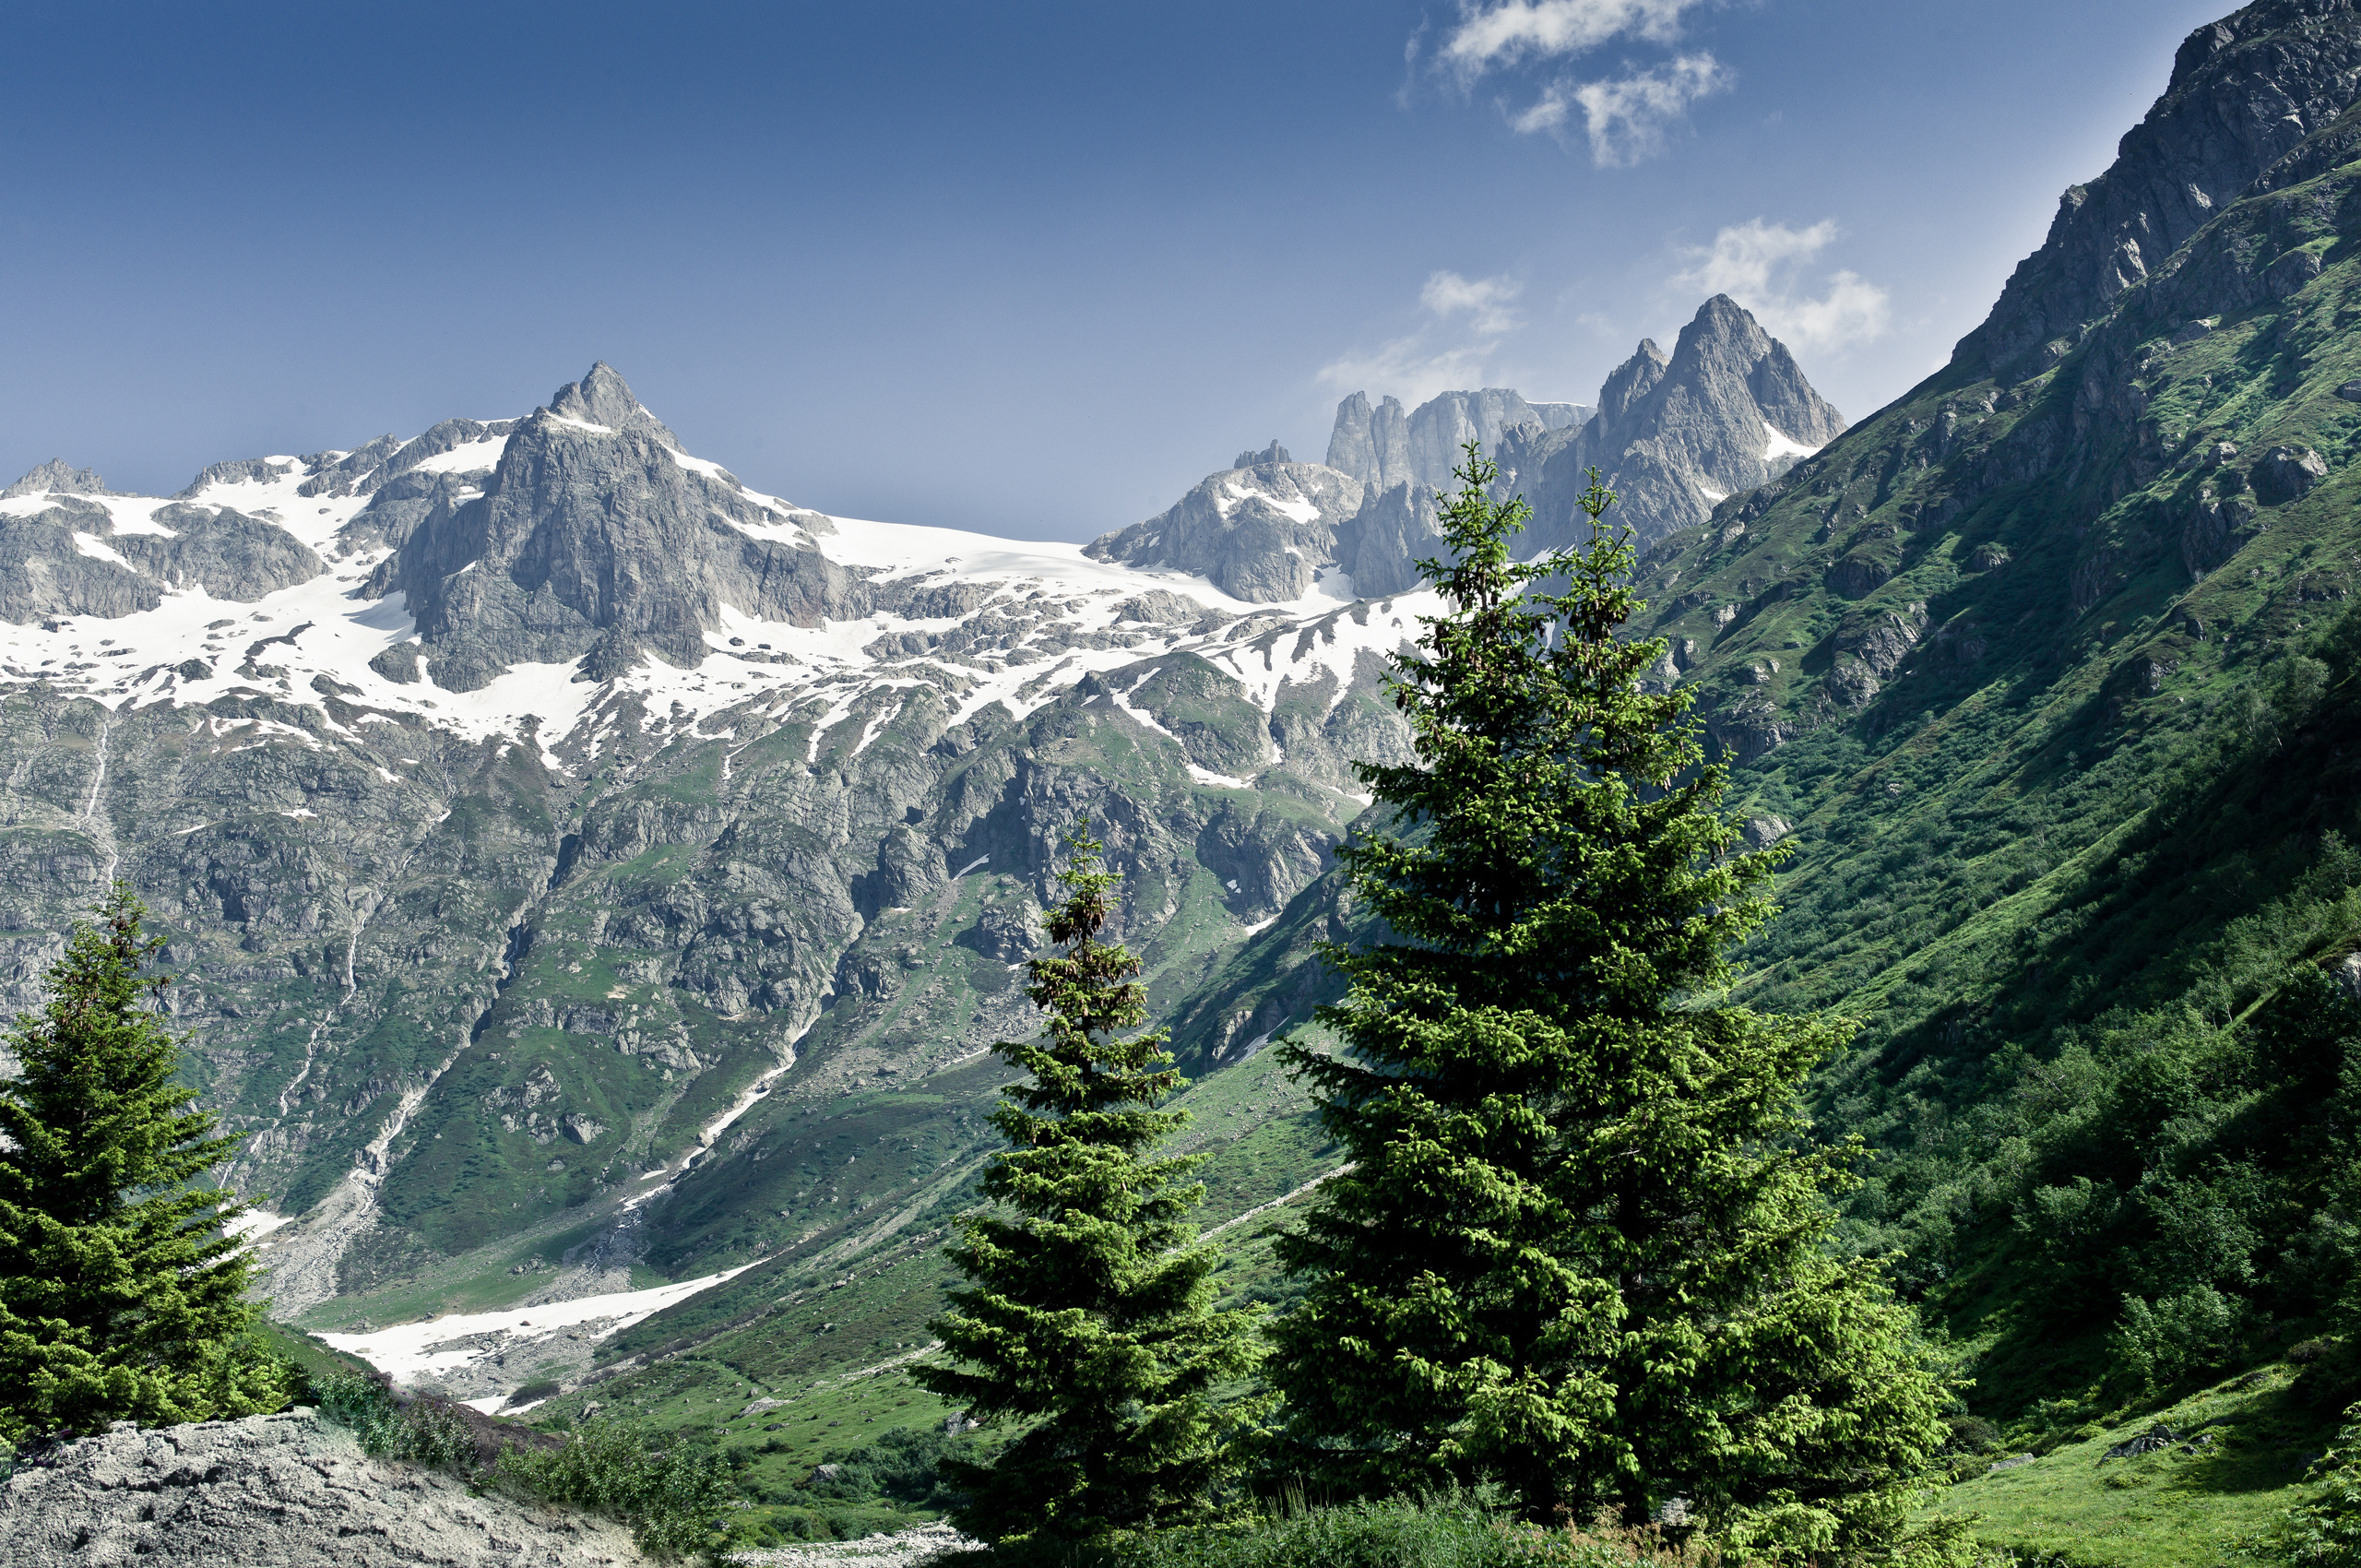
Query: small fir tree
column 120, row 1298
column 1088, row 1319
column 1578, row 1252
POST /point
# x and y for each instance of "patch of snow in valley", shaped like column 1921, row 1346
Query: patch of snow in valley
column 411, row 1350
column 1783, row 446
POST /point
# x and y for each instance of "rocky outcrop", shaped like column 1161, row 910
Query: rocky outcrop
column 71, row 560
column 276, row 1491
column 1383, row 447
column 56, row 478
column 1674, row 437
column 1372, row 444
column 594, row 535
column 1381, row 547
column 1259, row 533
column 2244, row 92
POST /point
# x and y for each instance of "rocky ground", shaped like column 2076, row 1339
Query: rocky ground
column 275, row 1492
column 903, row 1551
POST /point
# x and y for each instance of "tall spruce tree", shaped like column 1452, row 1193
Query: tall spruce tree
column 120, row 1298
column 1579, row 1249
column 1089, row 1318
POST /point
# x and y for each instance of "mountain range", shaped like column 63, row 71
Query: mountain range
column 593, row 885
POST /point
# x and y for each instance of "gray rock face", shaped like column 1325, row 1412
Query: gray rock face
column 2244, row 92
column 276, row 1491
column 1674, row 437
column 2285, row 473
column 1442, row 424
column 1383, row 447
column 592, row 535
column 54, row 477
column 1261, row 534
column 369, row 468
column 1274, row 453
column 1372, row 444
column 1394, row 530
column 69, row 560
column 239, row 471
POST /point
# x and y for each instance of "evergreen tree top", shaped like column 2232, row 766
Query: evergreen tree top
column 1563, row 813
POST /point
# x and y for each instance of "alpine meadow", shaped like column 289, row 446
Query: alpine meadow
column 1666, row 979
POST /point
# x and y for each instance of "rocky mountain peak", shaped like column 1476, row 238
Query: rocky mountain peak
column 1677, row 435
column 603, row 398
column 595, row 536
column 1383, row 447
column 2244, row 92
column 1631, row 381
column 1371, row 443
column 54, row 477
column 1274, row 453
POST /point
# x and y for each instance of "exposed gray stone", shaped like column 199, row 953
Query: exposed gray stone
column 2244, row 92
column 1372, row 444
column 67, row 560
column 276, row 1491
column 1259, row 534
column 592, row 538
column 56, row 478
column 2286, row 473
column 1676, row 436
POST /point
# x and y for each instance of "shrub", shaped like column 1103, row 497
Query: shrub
column 1398, row 1533
column 2324, row 1528
column 673, row 1501
column 903, row 1464
column 2159, row 1347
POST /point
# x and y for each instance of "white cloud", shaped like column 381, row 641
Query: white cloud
column 1510, row 30
column 1447, row 353
column 1628, row 120
column 1759, row 265
column 1484, row 301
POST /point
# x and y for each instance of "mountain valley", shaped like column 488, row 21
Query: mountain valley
column 594, row 886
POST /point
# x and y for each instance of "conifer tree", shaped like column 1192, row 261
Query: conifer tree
column 120, row 1298
column 1579, row 1249
column 1089, row 1319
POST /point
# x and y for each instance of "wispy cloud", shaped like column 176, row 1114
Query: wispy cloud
column 1625, row 119
column 1467, row 317
column 1485, row 301
column 1628, row 120
column 1760, row 264
column 1513, row 30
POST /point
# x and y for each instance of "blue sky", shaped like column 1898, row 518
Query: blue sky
column 1030, row 268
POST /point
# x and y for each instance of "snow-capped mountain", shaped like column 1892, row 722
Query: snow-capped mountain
column 519, row 795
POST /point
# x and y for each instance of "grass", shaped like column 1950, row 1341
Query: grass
column 2073, row 1506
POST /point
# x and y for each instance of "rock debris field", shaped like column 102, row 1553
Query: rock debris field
column 275, row 1492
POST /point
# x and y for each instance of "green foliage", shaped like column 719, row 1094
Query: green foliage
column 120, row 1298
column 1579, row 1251
column 2324, row 1528
column 903, row 1464
column 1392, row 1533
column 1089, row 1313
column 428, row 1431
column 674, row 1501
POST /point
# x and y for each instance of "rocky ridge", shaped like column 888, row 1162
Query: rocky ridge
column 1675, row 436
